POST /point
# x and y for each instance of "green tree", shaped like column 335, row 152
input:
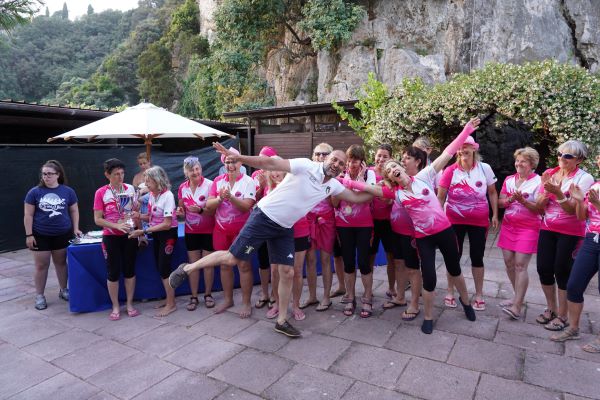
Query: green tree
column 47, row 14
column 90, row 9
column 15, row 12
column 65, row 11
column 154, row 69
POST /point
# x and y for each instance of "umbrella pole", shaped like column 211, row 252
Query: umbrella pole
column 148, row 142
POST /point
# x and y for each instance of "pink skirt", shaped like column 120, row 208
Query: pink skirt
column 520, row 240
column 322, row 231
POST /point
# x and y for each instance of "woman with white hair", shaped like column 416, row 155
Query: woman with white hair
column 162, row 224
column 199, row 225
column 561, row 231
column 520, row 226
column 464, row 188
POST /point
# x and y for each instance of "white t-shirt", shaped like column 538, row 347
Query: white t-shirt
column 299, row 192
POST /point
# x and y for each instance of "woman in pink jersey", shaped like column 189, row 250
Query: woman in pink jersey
column 162, row 223
column 561, row 231
column 520, row 225
column 199, row 225
column 119, row 250
column 406, row 259
column 382, row 230
column 301, row 245
column 321, row 220
column 587, row 263
column 464, row 188
column 232, row 196
column 354, row 224
column 432, row 227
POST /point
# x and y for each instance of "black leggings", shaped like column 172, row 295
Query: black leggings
column 585, row 267
column 120, row 253
column 355, row 243
column 446, row 242
column 477, row 237
column 164, row 245
column 555, row 255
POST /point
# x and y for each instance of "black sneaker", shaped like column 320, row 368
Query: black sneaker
column 287, row 329
column 178, row 276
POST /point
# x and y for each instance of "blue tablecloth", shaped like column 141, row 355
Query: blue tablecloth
column 87, row 275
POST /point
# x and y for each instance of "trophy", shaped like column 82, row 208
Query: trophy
column 126, row 205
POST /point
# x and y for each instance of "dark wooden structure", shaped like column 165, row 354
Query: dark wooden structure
column 295, row 130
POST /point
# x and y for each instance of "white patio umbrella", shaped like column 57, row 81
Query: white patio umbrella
column 144, row 121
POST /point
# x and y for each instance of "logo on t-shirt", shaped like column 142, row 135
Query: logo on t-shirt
column 52, row 203
column 327, row 189
column 479, row 184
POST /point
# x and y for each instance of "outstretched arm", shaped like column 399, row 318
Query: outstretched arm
column 355, row 197
column 456, row 144
column 265, row 163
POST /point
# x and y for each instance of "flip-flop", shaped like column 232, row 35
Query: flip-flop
column 323, row 307
column 307, row 304
column 133, row 312
column 511, row 313
column 592, row 347
column 299, row 315
column 392, row 304
column 337, row 293
column 389, row 294
column 114, row 316
column 410, row 315
column 350, row 308
column 478, row 305
column 260, row 303
column 450, row 302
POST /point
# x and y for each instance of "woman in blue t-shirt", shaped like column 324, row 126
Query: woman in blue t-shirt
column 51, row 219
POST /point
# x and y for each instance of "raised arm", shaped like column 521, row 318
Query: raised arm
column 265, row 163
column 439, row 163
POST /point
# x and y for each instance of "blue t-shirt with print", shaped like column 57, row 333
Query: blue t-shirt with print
column 51, row 215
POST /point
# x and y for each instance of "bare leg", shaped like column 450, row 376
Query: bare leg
column 59, row 258
column 326, row 275
column 414, row 276
column 222, row 257
column 286, row 279
column 265, row 276
column 461, row 287
column 478, row 273
column 170, row 304
column 275, row 283
column 367, row 281
column 575, row 310
column 246, row 282
column 338, row 265
column 311, row 274
column 450, row 286
column 350, row 285
column 129, row 291
column 209, row 276
column 297, row 284
column 550, row 294
column 194, row 276
column 227, row 283
column 41, row 260
column 521, row 283
column 509, row 261
column 401, row 275
column 113, row 293
column 562, row 304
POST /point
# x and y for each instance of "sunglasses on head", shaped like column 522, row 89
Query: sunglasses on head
column 566, row 156
column 321, row 153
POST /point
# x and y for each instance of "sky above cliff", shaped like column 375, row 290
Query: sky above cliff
column 78, row 8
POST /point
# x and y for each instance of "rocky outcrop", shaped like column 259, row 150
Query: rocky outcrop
column 433, row 39
column 207, row 23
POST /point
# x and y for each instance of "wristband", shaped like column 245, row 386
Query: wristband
column 31, row 234
column 561, row 200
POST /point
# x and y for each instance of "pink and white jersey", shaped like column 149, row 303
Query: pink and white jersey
column 380, row 208
column 194, row 222
column 161, row 207
column 467, row 203
column 555, row 218
column 400, row 220
column 104, row 200
column 228, row 216
column 593, row 213
column 516, row 214
column 323, row 207
column 355, row 215
column 422, row 205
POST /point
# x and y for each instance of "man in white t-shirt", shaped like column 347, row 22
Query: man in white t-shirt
column 306, row 184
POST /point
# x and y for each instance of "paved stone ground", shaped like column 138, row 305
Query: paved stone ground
column 197, row 355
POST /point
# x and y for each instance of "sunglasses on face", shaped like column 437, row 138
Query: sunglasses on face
column 321, row 153
column 566, row 156
column 49, row 173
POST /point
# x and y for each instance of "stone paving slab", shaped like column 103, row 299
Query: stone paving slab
column 164, row 340
column 455, row 321
column 184, row 384
column 223, row 326
column 315, row 350
column 529, row 343
column 494, row 388
column 361, row 391
column 371, row 331
column 237, row 394
column 411, row 340
column 128, row 328
column 204, row 354
column 261, row 336
column 28, row 327
column 308, row 383
column 62, row 344
column 61, row 386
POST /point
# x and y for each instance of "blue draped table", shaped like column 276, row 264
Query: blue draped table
column 87, row 275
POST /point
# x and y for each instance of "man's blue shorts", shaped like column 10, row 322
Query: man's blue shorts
column 259, row 229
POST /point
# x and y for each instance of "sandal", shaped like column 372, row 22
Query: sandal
column 337, row 293
column 307, row 304
column 209, row 302
column 450, row 301
column 299, row 315
column 410, row 315
column 193, row 304
column 260, row 303
column 567, row 334
column 390, row 295
column 272, row 302
column 133, row 313
column 592, row 347
column 478, row 305
column 323, row 307
column 350, row 307
column 366, row 312
column 272, row 313
column 511, row 313
column 545, row 317
column 114, row 316
column 392, row 304
column 345, row 300
column 557, row 324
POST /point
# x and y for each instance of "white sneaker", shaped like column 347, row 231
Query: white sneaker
column 40, row 302
column 64, row 294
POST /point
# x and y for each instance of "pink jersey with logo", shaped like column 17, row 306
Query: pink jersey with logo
column 161, row 207
column 104, row 200
column 324, row 207
column 194, row 222
column 593, row 213
column 355, row 215
column 555, row 218
column 381, row 208
column 516, row 214
column 227, row 216
column 422, row 205
column 467, row 203
column 400, row 220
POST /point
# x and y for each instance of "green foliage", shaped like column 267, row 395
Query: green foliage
column 15, row 12
column 90, row 9
column 330, row 22
column 185, row 19
column 65, row 11
column 154, row 70
column 559, row 102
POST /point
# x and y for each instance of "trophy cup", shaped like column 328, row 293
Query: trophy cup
column 126, row 203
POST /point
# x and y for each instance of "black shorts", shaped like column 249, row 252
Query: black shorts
column 259, row 229
column 405, row 248
column 302, row 243
column 382, row 232
column 199, row 241
column 49, row 243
